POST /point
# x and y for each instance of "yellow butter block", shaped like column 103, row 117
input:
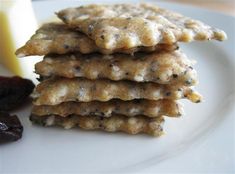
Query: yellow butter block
column 17, row 24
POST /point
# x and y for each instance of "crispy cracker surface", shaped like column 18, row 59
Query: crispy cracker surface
column 131, row 108
column 54, row 91
column 164, row 67
column 132, row 25
column 116, row 123
column 59, row 39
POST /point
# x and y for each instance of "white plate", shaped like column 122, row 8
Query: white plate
column 200, row 141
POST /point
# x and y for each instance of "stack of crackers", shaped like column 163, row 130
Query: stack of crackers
column 115, row 67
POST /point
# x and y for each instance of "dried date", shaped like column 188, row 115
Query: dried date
column 10, row 128
column 14, row 91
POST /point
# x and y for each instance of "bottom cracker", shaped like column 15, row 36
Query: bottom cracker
column 133, row 125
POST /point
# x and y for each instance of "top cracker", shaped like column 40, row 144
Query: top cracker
column 128, row 25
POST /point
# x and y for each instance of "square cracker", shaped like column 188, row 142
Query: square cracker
column 57, row 90
column 149, row 108
column 165, row 67
column 116, row 123
column 57, row 38
column 132, row 25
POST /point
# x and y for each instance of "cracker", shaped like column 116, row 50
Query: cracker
column 164, row 67
column 58, row 38
column 116, row 123
column 131, row 108
column 131, row 25
column 57, row 90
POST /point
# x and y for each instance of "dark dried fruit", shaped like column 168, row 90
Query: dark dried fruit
column 10, row 128
column 14, row 91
